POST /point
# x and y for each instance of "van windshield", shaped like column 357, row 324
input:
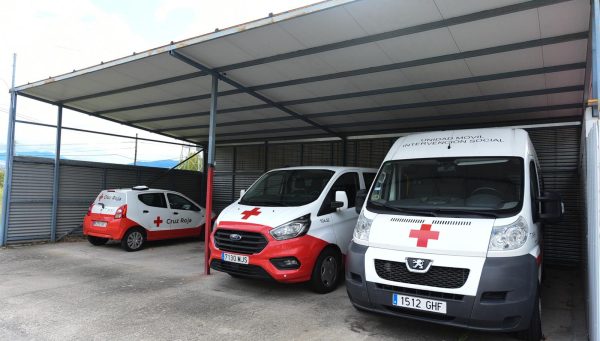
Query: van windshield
column 287, row 188
column 471, row 186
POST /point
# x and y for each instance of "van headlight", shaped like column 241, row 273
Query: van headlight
column 509, row 237
column 363, row 228
column 292, row 229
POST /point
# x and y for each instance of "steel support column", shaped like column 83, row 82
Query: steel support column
column 10, row 150
column 55, row 184
column 595, row 43
column 211, row 169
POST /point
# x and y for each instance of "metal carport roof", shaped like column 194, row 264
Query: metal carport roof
column 341, row 68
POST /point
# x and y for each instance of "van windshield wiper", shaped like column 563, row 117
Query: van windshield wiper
column 472, row 212
column 404, row 210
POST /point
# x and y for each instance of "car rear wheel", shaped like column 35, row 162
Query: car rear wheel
column 97, row 240
column 133, row 240
column 327, row 271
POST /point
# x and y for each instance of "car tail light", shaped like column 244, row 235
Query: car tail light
column 90, row 208
column 121, row 212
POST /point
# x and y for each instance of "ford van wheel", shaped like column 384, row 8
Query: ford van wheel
column 326, row 273
column 534, row 332
column 97, row 240
column 133, row 240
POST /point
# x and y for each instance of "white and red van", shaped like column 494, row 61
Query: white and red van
column 451, row 232
column 292, row 225
column 135, row 215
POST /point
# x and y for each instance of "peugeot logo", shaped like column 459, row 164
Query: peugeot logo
column 418, row 265
column 235, row 236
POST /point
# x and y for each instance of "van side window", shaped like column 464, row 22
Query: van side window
column 368, row 177
column 534, row 189
column 347, row 182
column 180, row 203
column 153, row 199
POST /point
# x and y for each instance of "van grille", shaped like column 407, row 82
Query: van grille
column 249, row 243
column 437, row 276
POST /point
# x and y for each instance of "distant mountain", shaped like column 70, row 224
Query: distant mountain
column 158, row 163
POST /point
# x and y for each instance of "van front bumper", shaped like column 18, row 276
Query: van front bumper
column 261, row 265
column 504, row 301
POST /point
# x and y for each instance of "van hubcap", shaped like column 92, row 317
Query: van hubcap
column 329, row 271
column 135, row 240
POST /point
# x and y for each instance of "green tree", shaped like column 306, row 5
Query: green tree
column 195, row 163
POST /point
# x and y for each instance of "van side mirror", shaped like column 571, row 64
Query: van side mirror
column 341, row 200
column 361, row 196
column 552, row 207
column 242, row 192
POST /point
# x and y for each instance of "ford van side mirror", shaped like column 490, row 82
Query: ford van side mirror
column 553, row 207
column 242, row 192
column 361, row 196
column 341, row 201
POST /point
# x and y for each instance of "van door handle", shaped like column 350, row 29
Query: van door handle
column 175, row 213
column 145, row 211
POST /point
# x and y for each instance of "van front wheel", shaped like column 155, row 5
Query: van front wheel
column 133, row 240
column 326, row 273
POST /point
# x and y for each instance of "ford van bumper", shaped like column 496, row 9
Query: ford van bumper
column 268, row 262
column 504, row 301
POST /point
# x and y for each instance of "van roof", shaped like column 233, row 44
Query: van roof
column 331, row 168
column 461, row 143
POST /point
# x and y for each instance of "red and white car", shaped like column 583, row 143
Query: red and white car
column 135, row 215
column 293, row 225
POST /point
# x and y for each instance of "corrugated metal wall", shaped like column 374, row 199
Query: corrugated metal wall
column 80, row 183
column 558, row 150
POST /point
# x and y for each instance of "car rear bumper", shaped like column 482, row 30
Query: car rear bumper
column 504, row 301
column 113, row 230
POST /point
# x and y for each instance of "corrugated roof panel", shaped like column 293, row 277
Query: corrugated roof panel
column 565, row 78
column 454, row 8
column 513, row 84
column 387, row 15
column 418, row 46
column 563, row 18
column 501, row 30
column 569, row 52
column 436, row 72
column 507, row 61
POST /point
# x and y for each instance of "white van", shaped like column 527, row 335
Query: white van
column 293, row 225
column 450, row 232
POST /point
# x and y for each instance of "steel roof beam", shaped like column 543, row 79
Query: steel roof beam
column 563, row 119
column 413, row 87
column 425, row 104
column 486, row 14
column 380, row 68
column 492, row 113
column 250, row 92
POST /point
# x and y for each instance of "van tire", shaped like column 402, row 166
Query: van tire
column 326, row 274
column 134, row 239
column 97, row 241
column 534, row 332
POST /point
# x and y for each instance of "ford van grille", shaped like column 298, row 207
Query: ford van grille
column 240, row 241
column 437, row 276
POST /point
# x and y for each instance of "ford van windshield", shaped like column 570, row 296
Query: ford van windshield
column 478, row 186
column 294, row 187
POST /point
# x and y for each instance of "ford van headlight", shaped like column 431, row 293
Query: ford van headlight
column 292, row 229
column 363, row 228
column 509, row 237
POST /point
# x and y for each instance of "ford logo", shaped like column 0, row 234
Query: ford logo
column 235, row 236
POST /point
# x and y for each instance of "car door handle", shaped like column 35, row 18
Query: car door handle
column 175, row 213
column 145, row 211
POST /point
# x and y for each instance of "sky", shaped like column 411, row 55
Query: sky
column 55, row 37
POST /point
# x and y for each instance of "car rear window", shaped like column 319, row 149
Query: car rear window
column 111, row 199
column 153, row 199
